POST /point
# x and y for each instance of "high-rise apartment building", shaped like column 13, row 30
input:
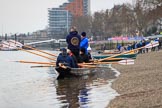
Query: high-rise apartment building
column 59, row 22
column 60, row 18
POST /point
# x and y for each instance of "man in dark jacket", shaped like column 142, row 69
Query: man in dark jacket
column 73, row 40
column 65, row 59
column 64, row 64
column 84, row 56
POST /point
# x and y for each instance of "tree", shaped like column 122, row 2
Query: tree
column 98, row 25
column 146, row 13
column 83, row 23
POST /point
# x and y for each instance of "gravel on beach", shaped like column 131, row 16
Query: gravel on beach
column 139, row 85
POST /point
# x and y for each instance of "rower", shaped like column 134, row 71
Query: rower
column 84, row 56
column 64, row 64
column 73, row 57
column 65, row 59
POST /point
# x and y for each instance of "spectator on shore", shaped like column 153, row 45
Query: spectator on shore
column 157, row 47
column 129, row 47
column 139, row 45
column 118, row 47
column 143, row 44
column 122, row 49
column 146, row 43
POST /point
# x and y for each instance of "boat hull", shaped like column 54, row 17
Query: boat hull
column 80, row 71
column 73, row 72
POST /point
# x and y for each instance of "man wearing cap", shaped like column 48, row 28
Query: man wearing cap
column 64, row 64
column 84, row 42
column 65, row 59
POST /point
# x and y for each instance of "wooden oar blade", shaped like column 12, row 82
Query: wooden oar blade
column 126, row 62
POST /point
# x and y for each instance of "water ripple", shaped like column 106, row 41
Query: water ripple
column 25, row 87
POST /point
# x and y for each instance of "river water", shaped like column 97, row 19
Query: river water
column 24, row 87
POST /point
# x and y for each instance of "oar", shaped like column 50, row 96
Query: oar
column 40, row 51
column 37, row 49
column 60, row 65
column 33, row 62
column 36, row 54
column 126, row 52
column 65, row 67
column 88, row 65
column 117, row 59
column 122, row 62
column 47, row 63
column 42, row 66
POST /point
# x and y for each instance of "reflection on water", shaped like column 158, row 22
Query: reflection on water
column 25, row 87
column 86, row 92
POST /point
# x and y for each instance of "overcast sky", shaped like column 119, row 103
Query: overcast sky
column 22, row 16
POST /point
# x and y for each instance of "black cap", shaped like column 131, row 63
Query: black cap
column 63, row 49
column 83, row 34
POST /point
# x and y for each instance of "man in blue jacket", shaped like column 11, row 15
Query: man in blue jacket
column 84, row 42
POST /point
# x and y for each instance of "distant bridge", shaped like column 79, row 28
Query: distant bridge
column 51, row 43
column 47, row 41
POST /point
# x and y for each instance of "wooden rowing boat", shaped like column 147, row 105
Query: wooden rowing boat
column 70, row 72
column 80, row 71
column 10, row 45
column 122, row 56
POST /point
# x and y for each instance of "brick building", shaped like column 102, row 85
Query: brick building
column 60, row 18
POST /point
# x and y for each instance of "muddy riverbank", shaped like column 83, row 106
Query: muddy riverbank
column 139, row 85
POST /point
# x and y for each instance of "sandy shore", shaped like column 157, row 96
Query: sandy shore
column 140, row 85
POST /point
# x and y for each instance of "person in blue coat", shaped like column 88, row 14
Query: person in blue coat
column 84, row 42
column 118, row 47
